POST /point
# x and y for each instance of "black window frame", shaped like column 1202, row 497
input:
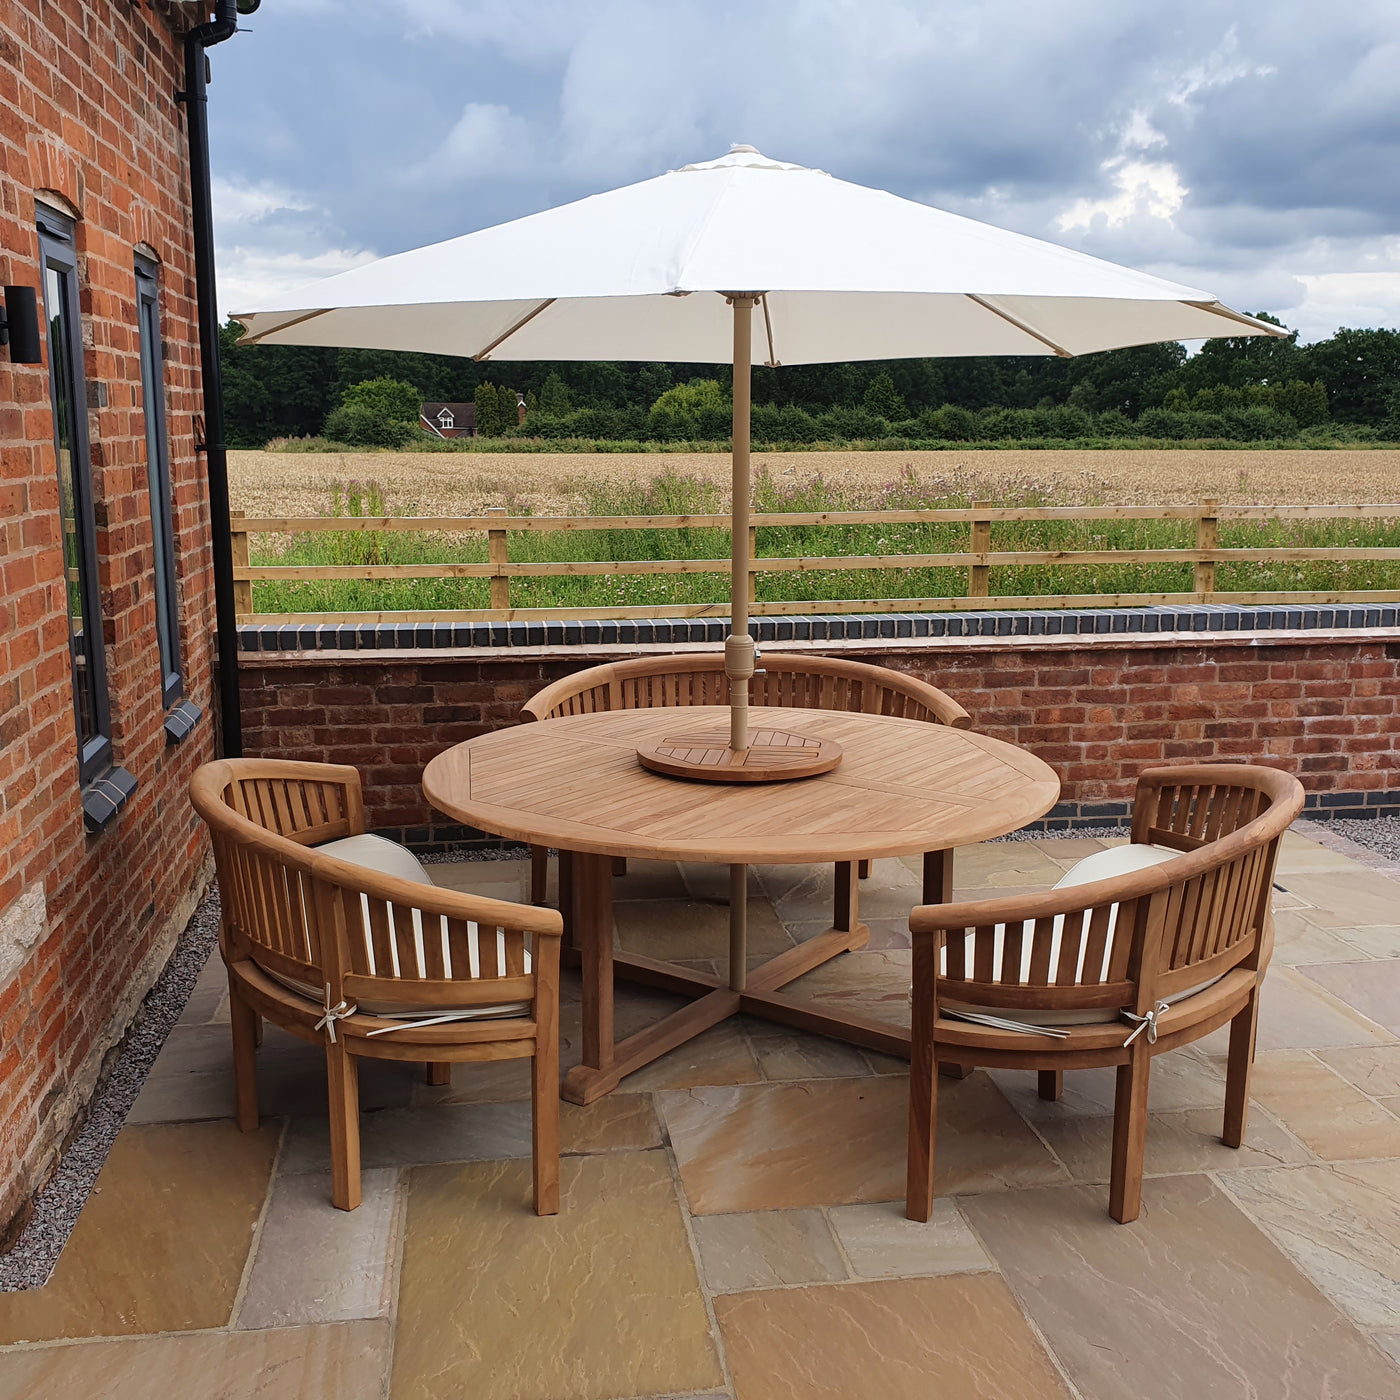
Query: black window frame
column 68, row 391
column 172, row 685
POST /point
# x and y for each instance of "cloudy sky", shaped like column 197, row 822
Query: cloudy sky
column 1244, row 147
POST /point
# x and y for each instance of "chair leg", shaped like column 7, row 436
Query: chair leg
column 244, row 1020
column 343, row 1072
column 1050, row 1083
column 439, row 1073
column 539, row 874
column 923, row 1133
column 1129, row 1136
column 863, row 873
column 257, row 1031
column 1240, row 1065
column 544, row 1122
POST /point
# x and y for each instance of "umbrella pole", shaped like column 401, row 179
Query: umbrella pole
column 739, row 647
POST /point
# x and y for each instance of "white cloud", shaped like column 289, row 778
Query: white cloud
column 488, row 140
column 1220, row 68
column 271, row 239
column 1142, row 188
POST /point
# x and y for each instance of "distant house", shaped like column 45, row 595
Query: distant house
column 449, row 420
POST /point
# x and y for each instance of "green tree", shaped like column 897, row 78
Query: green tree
column 689, row 399
column 883, row 400
column 495, row 409
column 554, row 395
column 390, row 398
column 1361, row 371
column 375, row 413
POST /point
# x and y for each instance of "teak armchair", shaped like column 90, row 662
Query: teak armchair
column 372, row 965
column 1112, row 972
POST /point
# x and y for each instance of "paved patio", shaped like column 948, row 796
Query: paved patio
column 731, row 1223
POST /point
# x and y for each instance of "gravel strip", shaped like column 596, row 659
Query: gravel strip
column 56, row 1207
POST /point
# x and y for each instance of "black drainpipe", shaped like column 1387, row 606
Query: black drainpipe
column 196, row 100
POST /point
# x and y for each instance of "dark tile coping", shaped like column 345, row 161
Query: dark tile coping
column 1064, row 816
column 1098, row 622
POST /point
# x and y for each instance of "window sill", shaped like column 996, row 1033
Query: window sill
column 180, row 720
column 104, row 797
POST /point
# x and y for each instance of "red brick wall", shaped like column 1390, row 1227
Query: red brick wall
column 87, row 114
column 1097, row 712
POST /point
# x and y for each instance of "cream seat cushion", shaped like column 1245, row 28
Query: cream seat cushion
column 1102, row 865
column 389, row 858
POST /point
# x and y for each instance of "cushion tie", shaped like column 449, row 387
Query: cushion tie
column 335, row 1013
column 1146, row 1023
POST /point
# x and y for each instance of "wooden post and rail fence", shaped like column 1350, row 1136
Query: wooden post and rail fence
column 978, row 560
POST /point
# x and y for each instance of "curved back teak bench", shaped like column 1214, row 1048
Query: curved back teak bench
column 1117, row 971
column 801, row 682
column 381, row 954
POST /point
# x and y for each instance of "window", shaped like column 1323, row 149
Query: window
column 68, row 393
column 158, row 480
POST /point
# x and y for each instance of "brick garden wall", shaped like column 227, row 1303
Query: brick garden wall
column 1097, row 711
column 88, row 123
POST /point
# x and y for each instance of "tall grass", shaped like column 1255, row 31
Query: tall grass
column 672, row 493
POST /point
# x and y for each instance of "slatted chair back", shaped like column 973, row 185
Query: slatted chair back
column 306, row 802
column 1127, row 941
column 801, row 682
column 375, row 940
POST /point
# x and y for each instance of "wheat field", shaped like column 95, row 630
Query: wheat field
column 275, row 483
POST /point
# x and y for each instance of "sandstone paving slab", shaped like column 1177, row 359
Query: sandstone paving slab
column 811, row 897
column 803, row 884
column 209, row 1000
column 1372, row 987
column 710, row 883
column 1187, row 1141
column 1374, row 1069
column 1332, row 1117
column 1373, row 941
column 1069, row 851
column 1191, row 1300
column 493, row 879
column 1179, row 1081
column 315, row 1263
column 1297, row 940
column 764, row 1249
column 1340, row 1225
column 870, row 982
column 841, row 1141
column 1346, row 898
column 881, row 1242
column 673, row 929
column 599, row 1301
column 1296, row 1013
column 192, row 1078
column 1298, row 855
column 349, row 1361
column 999, row 865
column 784, row 1054
column 474, row 1132
column 161, row 1243
column 887, row 1339
column 651, row 879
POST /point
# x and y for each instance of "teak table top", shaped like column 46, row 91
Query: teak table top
column 904, row 786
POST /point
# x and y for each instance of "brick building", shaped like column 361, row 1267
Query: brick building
column 106, row 627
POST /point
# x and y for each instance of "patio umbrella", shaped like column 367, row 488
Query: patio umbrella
column 674, row 267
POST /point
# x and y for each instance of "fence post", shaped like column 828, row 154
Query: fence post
column 1207, row 537
column 497, row 553
column 979, row 543
column 753, row 554
column 238, row 541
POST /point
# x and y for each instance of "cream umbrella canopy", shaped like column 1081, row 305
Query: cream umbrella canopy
column 673, row 268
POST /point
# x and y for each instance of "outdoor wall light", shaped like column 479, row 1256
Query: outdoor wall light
column 246, row 7
column 19, row 325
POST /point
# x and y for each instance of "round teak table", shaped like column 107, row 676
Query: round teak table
column 904, row 786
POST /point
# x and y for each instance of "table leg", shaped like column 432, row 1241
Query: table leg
column 593, row 925
column 738, row 926
column 846, row 915
column 566, row 898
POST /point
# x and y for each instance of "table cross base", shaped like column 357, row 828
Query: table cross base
column 585, row 891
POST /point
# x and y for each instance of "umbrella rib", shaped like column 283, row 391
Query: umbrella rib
column 506, row 334
column 772, row 361
column 285, row 326
column 1020, row 325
